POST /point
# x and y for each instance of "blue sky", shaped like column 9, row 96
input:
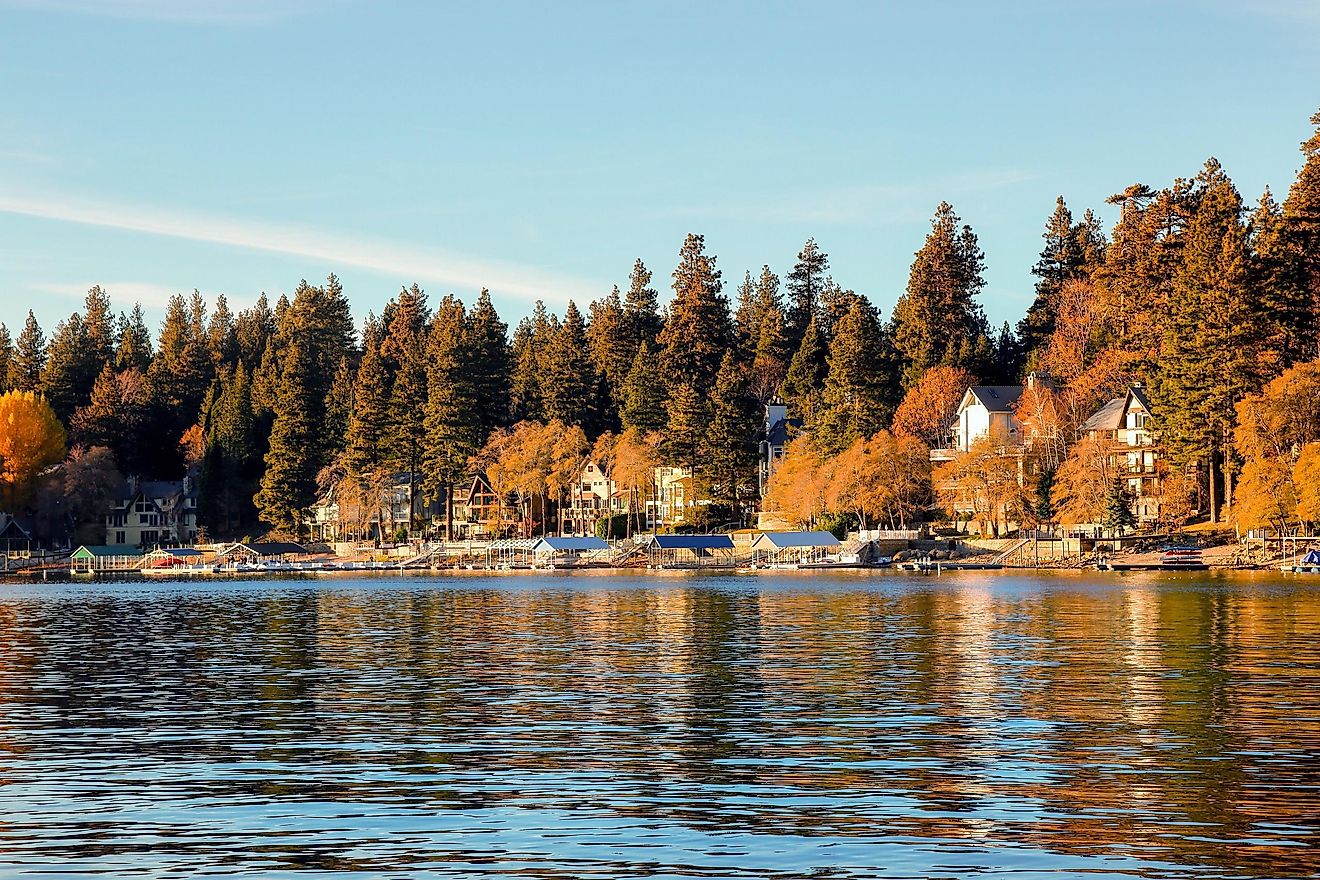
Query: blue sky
column 236, row 146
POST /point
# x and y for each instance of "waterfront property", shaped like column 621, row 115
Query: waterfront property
column 555, row 551
column 146, row 513
column 1125, row 422
column 101, row 558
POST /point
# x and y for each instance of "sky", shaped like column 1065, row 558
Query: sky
column 537, row 149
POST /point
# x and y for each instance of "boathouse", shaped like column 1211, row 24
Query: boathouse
column 570, row 551
column 689, row 551
column 96, row 558
column 783, row 548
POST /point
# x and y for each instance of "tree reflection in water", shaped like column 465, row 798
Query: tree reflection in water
column 851, row 725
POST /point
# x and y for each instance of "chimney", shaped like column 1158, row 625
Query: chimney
column 1040, row 380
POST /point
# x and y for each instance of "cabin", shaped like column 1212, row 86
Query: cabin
column 689, row 551
column 100, row 558
column 592, row 496
column 793, row 548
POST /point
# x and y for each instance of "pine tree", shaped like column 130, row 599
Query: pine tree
column 6, row 357
column 856, row 402
column 1072, row 251
column 488, row 344
column 288, row 485
column 938, row 320
column 805, row 378
column 29, row 357
column 453, row 428
column 1118, row 516
column 757, row 300
column 1212, row 344
column 684, row 443
column 641, row 306
column 117, row 416
column 98, row 327
column 805, row 285
column 698, row 330
column 403, row 349
column 730, row 458
column 64, row 381
column 370, row 418
column 252, row 329
column 568, row 376
column 1301, row 235
column 230, row 463
column 643, row 394
column 181, row 372
column 133, row 350
column 339, row 407
column 222, row 333
column 613, row 349
column 769, row 361
column 525, row 382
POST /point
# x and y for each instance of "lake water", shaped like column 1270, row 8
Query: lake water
column 809, row 726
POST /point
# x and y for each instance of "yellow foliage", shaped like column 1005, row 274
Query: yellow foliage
column 796, row 489
column 1265, row 496
column 31, row 439
column 1306, row 479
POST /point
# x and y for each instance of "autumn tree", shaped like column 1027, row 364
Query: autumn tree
column 31, row 440
column 882, row 478
column 981, row 483
column 1084, row 480
column 796, row 490
column 928, row 410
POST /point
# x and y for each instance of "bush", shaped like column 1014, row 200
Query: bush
column 707, row 517
column 838, row 524
column 616, row 525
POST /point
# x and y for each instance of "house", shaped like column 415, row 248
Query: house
column 365, row 512
column 1126, row 422
column 592, row 496
column 778, row 429
column 674, row 494
column 15, row 536
column 147, row 513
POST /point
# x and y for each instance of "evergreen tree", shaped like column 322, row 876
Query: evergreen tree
column 526, row 379
column 1007, row 360
column 1212, row 345
column 1072, row 251
column 643, row 394
column 769, row 358
column 938, row 320
column 288, row 486
column 805, row 285
column 117, row 417
column 453, row 427
column 730, row 459
column 370, row 420
column 180, row 375
column 1118, row 516
column 489, row 351
column 222, row 334
column 642, row 306
column 805, row 378
column 684, row 441
column 613, row 349
column 231, row 459
column 252, row 329
column 133, row 350
column 404, row 351
column 29, row 357
column 856, row 401
column 698, row 330
column 98, row 327
column 569, row 379
column 757, row 300
column 1042, row 508
column 6, row 357
column 339, row 407
column 1301, row 239
column 64, row 381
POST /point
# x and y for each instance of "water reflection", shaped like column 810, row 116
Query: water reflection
column 672, row 727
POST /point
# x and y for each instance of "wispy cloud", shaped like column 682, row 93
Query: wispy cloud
column 403, row 262
column 207, row 12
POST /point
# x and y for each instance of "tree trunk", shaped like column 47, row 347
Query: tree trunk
column 1214, row 481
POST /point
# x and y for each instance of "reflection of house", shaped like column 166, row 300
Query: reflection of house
column 151, row 512
column 1125, row 421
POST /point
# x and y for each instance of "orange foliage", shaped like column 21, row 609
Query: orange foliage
column 796, row 490
column 31, row 440
column 928, row 409
column 882, row 477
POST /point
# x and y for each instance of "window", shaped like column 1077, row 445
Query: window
column 119, row 537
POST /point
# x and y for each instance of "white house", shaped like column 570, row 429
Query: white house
column 151, row 512
column 1126, row 421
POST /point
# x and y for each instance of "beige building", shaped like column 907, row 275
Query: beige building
column 1126, row 422
column 152, row 513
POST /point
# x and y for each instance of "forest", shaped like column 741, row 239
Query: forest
column 1209, row 303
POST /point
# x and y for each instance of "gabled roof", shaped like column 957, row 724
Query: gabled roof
column 778, row 433
column 996, row 398
column 1137, row 393
column 569, row 545
column 781, row 540
column 692, row 542
column 102, row 551
column 1108, row 417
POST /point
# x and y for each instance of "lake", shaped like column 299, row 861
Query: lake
column 817, row 725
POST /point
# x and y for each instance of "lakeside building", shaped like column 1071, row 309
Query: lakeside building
column 778, row 430
column 1126, row 423
column 148, row 513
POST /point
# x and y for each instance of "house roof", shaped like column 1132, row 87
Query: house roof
column 102, row 551
column 176, row 552
column 778, row 433
column 782, row 540
column 692, row 542
column 266, row 548
column 1108, row 417
column 996, row 398
column 1139, row 394
column 569, row 545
